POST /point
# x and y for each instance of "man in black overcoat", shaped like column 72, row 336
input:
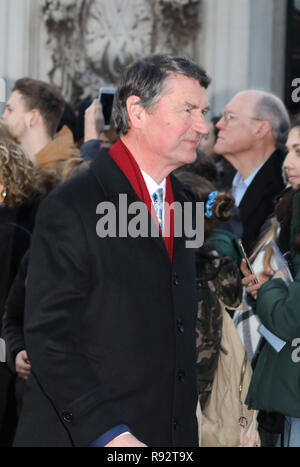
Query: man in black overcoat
column 252, row 136
column 110, row 315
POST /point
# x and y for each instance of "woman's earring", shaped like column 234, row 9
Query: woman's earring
column 3, row 194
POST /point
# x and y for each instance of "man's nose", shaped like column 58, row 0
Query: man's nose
column 200, row 125
column 221, row 123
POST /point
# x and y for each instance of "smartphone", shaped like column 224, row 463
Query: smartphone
column 106, row 98
column 247, row 260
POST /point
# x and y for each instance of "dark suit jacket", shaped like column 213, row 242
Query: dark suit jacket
column 109, row 324
column 259, row 200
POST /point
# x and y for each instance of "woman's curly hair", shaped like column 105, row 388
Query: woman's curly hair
column 21, row 180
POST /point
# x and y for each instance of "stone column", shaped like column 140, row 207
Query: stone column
column 242, row 46
column 18, row 41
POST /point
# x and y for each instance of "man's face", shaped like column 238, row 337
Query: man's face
column 236, row 129
column 174, row 126
column 16, row 115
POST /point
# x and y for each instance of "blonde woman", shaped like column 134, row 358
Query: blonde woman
column 22, row 187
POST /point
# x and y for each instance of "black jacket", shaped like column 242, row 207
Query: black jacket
column 109, row 324
column 259, row 200
column 13, row 319
column 16, row 226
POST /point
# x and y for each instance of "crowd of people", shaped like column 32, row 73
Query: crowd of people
column 110, row 338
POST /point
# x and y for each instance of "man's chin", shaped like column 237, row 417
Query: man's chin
column 218, row 148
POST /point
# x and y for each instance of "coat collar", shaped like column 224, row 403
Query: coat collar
column 266, row 177
column 113, row 182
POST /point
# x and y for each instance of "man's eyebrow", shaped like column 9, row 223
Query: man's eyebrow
column 193, row 106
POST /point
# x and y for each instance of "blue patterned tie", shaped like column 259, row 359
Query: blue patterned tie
column 158, row 201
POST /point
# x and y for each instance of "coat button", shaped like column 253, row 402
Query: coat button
column 67, row 416
column 181, row 376
column 180, row 326
column 175, row 279
column 175, row 424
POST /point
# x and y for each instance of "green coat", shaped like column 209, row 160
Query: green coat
column 275, row 385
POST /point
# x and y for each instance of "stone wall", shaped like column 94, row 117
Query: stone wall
column 82, row 44
column 90, row 41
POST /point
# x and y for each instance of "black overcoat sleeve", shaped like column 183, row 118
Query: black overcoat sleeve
column 58, row 317
column 13, row 320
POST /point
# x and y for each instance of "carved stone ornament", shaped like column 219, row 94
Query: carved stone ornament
column 90, row 41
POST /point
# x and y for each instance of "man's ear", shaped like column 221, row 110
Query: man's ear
column 34, row 117
column 263, row 129
column 135, row 111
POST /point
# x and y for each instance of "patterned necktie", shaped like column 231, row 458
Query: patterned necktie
column 158, row 201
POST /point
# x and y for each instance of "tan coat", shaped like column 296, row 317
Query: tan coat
column 61, row 148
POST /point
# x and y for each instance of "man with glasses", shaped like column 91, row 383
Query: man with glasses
column 252, row 136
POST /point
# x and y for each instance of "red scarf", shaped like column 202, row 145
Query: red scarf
column 128, row 165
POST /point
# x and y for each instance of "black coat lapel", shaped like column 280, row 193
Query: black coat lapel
column 113, row 183
column 263, row 184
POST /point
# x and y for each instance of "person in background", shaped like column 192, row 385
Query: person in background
column 32, row 114
column 21, row 188
column 218, row 278
column 13, row 318
column 252, row 136
column 219, row 239
column 86, row 109
column 275, row 381
column 225, row 171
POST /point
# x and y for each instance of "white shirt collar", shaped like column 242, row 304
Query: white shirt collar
column 152, row 185
column 240, row 186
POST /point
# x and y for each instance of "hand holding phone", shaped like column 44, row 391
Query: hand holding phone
column 247, row 261
column 93, row 121
column 106, row 98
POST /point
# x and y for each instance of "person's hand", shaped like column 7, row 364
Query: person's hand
column 125, row 441
column 279, row 275
column 253, row 282
column 93, row 121
column 23, row 366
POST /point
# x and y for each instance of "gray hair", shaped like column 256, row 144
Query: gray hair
column 269, row 107
column 145, row 78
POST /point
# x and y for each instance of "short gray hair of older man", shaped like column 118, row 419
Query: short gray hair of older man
column 269, row 107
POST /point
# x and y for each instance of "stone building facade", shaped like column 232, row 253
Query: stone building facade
column 82, row 44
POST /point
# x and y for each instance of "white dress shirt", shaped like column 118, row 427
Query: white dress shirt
column 240, row 186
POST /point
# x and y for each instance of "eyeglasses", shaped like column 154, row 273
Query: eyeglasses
column 231, row 116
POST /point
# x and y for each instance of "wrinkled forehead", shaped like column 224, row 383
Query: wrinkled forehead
column 185, row 88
